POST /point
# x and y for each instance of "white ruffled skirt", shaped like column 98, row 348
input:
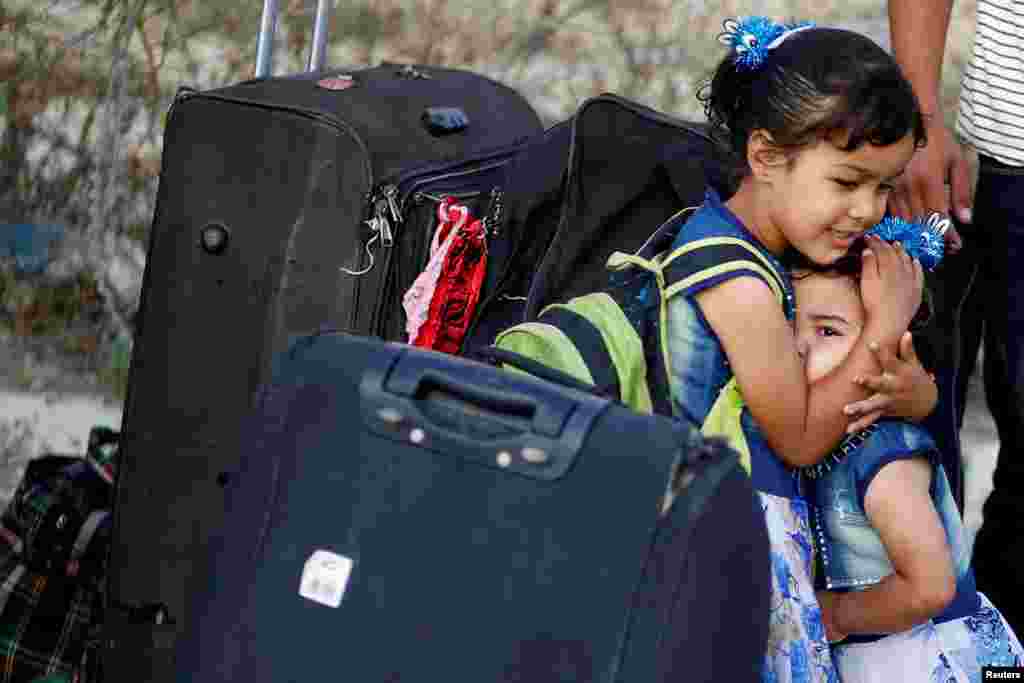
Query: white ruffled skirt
column 951, row 652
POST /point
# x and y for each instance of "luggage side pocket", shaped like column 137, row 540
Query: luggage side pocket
column 413, row 247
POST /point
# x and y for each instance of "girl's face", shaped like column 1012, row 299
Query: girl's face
column 829, row 319
column 823, row 198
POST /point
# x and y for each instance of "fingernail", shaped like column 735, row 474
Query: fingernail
column 965, row 215
column 873, row 346
column 868, row 252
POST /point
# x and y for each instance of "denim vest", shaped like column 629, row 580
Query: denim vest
column 849, row 551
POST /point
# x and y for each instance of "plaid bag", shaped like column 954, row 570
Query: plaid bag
column 54, row 538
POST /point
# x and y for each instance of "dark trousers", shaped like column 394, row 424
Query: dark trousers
column 979, row 295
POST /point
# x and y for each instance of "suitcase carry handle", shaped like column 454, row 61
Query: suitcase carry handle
column 546, row 417
column 474, row 412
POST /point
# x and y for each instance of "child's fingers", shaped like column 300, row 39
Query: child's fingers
column 869, row 258
column 886, row 383
column 864, row 422
column 883, row 353
column 899, row 205
column 885, row 253
column 907, row 351
column 877, row 401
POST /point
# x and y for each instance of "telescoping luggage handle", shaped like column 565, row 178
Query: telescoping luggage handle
column 268, row 27
column 475, row 412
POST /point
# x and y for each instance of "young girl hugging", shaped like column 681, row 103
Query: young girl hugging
column 891, row 549
column 817, row 123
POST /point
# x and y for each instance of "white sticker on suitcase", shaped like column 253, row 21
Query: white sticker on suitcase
column 325, row 577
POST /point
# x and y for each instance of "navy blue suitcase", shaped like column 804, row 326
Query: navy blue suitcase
column 404, row 515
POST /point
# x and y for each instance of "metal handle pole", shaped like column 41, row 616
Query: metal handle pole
column 265, row 41
column 318, row 51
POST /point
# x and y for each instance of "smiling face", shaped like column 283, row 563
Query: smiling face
column 822, row 198
column 829, row 320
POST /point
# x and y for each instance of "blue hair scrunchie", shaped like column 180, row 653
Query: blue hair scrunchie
column 924, row 240
column 751, row 38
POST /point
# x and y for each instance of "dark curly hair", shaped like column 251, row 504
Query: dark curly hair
column 816, row 84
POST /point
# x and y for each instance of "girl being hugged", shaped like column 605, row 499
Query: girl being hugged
column 891, row 548
column 817, row 123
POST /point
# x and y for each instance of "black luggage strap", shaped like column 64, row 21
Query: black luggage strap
column 492, row 355
column 587, row 339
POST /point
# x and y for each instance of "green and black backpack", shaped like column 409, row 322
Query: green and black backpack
column 615, row 339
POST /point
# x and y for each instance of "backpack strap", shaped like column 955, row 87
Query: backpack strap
column 609, row 339
column 609, row 344
column 591, row 339
column 692, row 264
column 586, row 339
column 699, row 260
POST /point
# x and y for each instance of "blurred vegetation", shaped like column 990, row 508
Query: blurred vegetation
column 85, row 85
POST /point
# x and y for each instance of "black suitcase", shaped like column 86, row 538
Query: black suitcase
column 405, row 515
column 272, row 193
column 600, row 182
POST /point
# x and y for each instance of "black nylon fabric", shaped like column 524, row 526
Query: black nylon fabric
column 631, row 168
column 285, row 168
column 533, row 200
column 383, row 109
column 463, row 570
column 636, row 293
column 587, row 339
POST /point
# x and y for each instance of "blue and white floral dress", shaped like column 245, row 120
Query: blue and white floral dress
column 951, row 647
column 798, row 651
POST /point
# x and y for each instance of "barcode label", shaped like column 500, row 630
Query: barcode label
column 325, row 577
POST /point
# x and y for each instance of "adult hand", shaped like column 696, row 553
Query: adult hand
column 904, row 389
column 922, row 188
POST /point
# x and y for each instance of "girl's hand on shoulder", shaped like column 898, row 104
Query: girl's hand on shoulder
column 903, row 390
column 827, row 602
column 891, row 285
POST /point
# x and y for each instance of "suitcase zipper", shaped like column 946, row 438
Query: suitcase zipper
column 410, row 191
column 419, row 196
column 388, row 203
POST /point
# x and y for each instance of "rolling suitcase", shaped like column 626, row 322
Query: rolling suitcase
column 284, row 204
column 405, row 515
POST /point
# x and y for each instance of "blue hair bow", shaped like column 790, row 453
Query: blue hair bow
column 751, row 38
column 924, row 240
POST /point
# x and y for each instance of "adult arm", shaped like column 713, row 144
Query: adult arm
column 918, row 30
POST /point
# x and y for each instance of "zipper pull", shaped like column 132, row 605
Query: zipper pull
column 391, row 195
column 409, row 71
column 381, row 224
column 492, row 223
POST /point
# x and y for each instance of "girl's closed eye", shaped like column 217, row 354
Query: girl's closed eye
column 846, row 184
